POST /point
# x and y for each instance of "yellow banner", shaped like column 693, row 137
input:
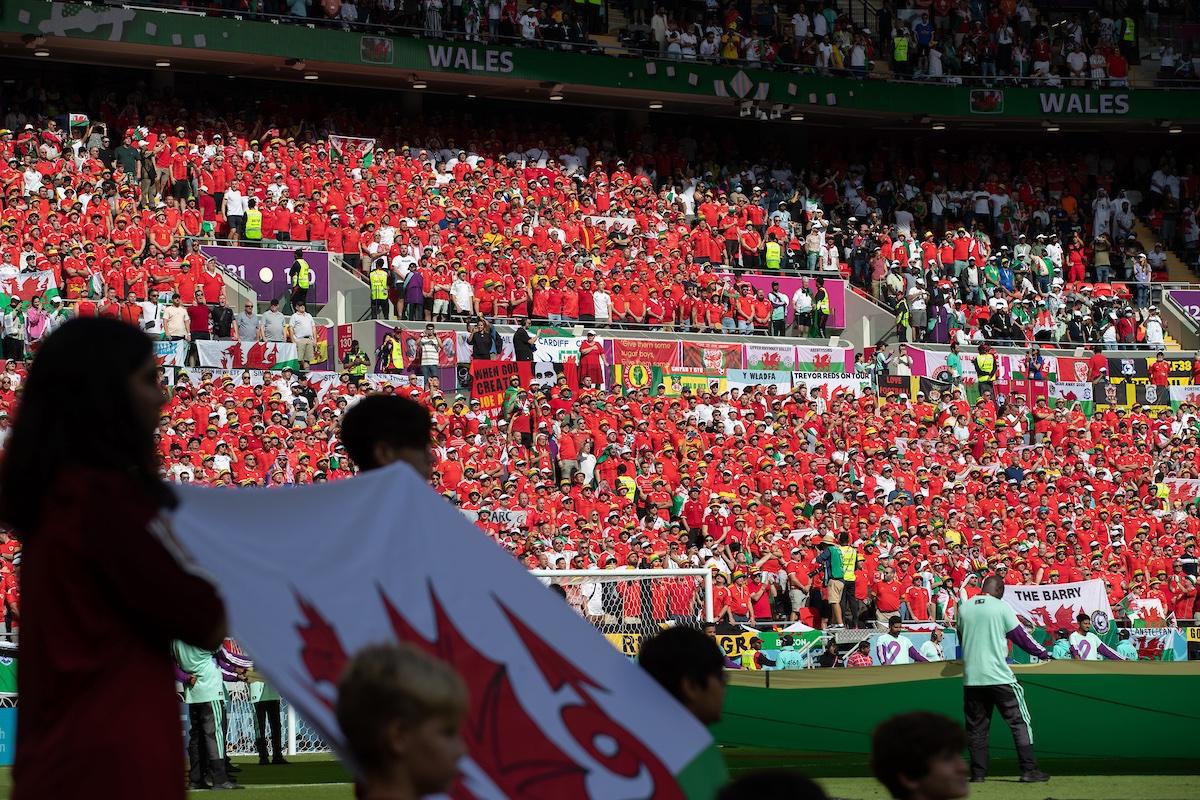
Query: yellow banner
column 1193, row 634
column 630, row 643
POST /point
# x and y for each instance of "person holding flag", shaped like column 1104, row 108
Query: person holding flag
column 1086, row 645
column 985, row 626
column 894, row 648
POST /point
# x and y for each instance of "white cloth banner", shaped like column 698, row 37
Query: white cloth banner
column 745, row 378
column 240, row 355
column 504, row 517
column 312, row 574
column 1054, row 606
column 557, row 349
column 771, row 358
column 171, row 354
column 1070, row 391
column 830, row 386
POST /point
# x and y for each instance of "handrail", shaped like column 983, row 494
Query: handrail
column 590, row 46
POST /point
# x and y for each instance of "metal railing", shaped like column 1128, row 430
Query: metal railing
column 589, row 46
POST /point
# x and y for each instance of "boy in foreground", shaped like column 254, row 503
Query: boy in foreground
column 401, row 712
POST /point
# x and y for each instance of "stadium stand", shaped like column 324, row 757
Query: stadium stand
column 925, row 478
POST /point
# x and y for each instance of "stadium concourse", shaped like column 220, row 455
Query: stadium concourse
column 493, row 218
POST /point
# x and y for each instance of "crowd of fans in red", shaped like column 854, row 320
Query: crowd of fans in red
column 749, row 483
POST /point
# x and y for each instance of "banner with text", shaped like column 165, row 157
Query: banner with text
column 1054, row 606
column 265, row 269
column 489, row 380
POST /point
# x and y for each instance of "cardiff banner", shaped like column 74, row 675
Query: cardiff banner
column 555, row 711
column 1054, row 606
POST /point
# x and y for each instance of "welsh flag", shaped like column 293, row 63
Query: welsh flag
column 353, row 150
column 25, row 287
column 820, row 359
column 77, row 120
column 554, row 711
column 247, row 355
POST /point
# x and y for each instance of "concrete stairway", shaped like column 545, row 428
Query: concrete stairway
column 1177, row 270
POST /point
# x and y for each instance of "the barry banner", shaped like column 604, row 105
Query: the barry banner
column 554, row 710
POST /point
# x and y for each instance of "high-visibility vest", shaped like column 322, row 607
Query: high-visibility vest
column 849, row 559
column 1130, row 30
column 397, row 355
column 379, row 284
column 900, row 49
column 747, row 659
column 902, row 314
column 254, row 224
column 302, row 276
column 359, row 364
column 823, row 302
column 985, row 366
column 774, row 255
column 626, row 486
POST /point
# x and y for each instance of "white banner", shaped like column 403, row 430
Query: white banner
column 770, row 357
column 1183, row 490
column 243, row 355
column 312, row 574
column 745, row 378
column 171, row 354
column 1185, row 394
column 829, row 385
column 1054, row 606
column 557, row 349
column 463, row 345
column 1070, row 391
column 505, row 517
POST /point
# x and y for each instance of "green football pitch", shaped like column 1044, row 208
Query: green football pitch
column 322, row 778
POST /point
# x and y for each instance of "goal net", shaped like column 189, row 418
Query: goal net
column 635, row 601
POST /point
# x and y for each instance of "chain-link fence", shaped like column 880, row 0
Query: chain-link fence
column 298, row 735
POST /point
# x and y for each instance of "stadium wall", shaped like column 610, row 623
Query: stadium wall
column 1080, row 710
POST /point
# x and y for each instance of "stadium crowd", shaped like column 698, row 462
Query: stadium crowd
column 636, row 228
column 994, row 43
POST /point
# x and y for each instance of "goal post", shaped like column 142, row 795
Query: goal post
column 635, row 600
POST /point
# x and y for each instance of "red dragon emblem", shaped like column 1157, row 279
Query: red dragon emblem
column 1040, row 617
column 822, row 361
column 502, row 738
column 770, row 361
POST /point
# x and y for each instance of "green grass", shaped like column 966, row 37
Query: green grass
column 319, row 777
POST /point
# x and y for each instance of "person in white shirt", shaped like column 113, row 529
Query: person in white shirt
column 603, row 304
column 1154, row 329
column 303, row 328
column 932, row 649
column 1086, row 646
column 893, row 648
column 462, row 295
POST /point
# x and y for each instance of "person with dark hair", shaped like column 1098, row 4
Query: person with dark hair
column 772, row 783
column 918, row 756
column 381, row 429
column 102, row 595
column 689, row 665
column 985, row 626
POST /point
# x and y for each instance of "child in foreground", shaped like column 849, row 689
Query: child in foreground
column 400, row 712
